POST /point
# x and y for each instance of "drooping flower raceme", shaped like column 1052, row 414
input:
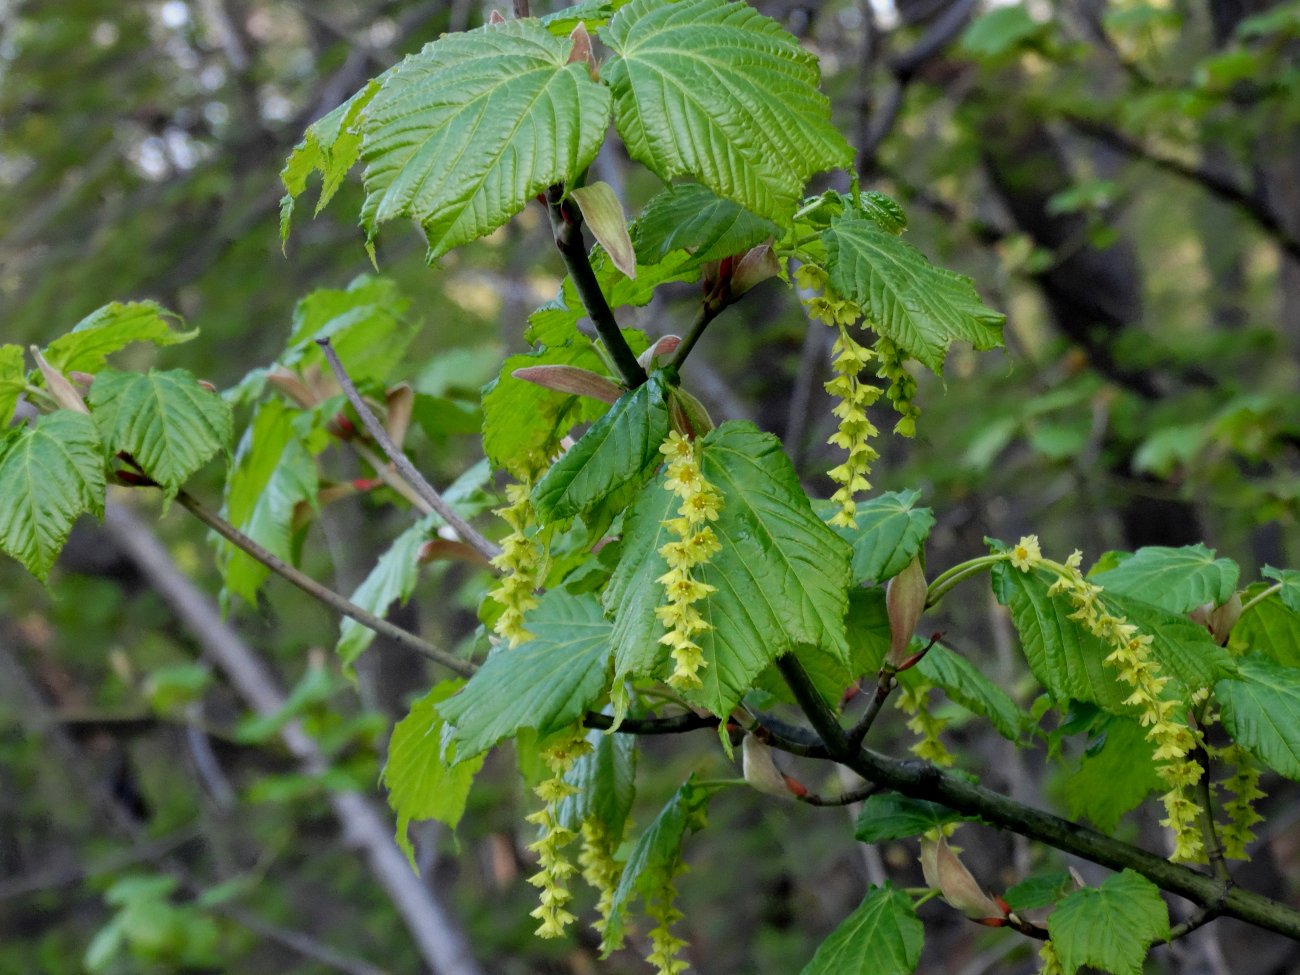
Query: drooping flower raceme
column 849, row 358
column 692, row 545
column 914, row 701
column 520, row 562
column 1131, row 656
column 552, row 878
column 1237, row 832
column 599, row 867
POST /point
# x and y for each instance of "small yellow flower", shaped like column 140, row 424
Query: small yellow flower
column 555, row 867
column 521, row 562
column 693, row 544
column 1026, row 554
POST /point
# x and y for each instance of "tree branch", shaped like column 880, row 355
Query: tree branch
column 919, row 780
column 566, row 224
column 322, row 593
column 403, row 463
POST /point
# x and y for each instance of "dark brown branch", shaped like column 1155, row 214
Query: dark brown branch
column 566, row 224
column 885, row 683
column 920, row 780
column 403, row 463
column 843, row 799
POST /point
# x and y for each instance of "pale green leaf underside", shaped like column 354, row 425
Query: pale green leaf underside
column 1289, row 580
column 50, row 473
column 392, row 578
column 963, row 682
column 781, row 577
column 609, row 458
column 1262, row 712
column 921, row 307
column 883, row 936
column 605, row 778
column 719, row 92
column 653, row 859
column 465, row 133
column 1110, row 927
column 547, row 683
column 423, row 783
column 1175, row 579
column 890, row 816
column 692, row 217
column 1268, row 627
column 889, row 532
column 169, row 424
column 110, row 329
column 1116, row 777
column 271, row 474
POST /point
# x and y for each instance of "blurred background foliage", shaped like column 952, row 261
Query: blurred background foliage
column 1120, row 178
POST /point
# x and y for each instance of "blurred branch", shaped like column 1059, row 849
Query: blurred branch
column 1208, row 178
column 904, row 68
column 438, row 936
column 299, row 942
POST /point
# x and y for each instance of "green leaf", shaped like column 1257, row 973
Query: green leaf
column 889, row 816
column 50, row 473
column 422, row 781
column 1110, row 927
column 1115, row 774
column 1261, row 711
column 1176, row 579
column 1065, row 658
column 882, row 209
column 272, row 473
column 999, row 31
column 612, row 459
column 1034, row 893
column 330, row 146
column 1268, row 627
column 110, row 329
column 691, row 217
column 593, row 13
column 657, row 854
column 781, row 576
column 888, row 535
column 169, row 424
column 882, row 937
column 465, row 133
column 547, row 683
column 13, row 380
column 366, row 323
column 1185, row 650
column 393, row 578
column 921, row 307
column 717, row 91
column 605, row 778
column 962, row 681
column 1288, row 579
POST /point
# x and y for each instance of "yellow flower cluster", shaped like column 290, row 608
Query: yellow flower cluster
column 922, row 721
column 1237, row 834
column 520, row 561
column 693, row 544
column 599, row 868
column 1051, row 961
column 902, row 385
column 664, row 945
column 849, row 358
column 1132, row 658
column 556, row 868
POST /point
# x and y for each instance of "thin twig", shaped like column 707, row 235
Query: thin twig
column 322, row 593
column 403, row 463
column 709, row 310
column 885, row 683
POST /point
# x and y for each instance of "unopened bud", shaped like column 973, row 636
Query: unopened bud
column 603, row 213
column 400, row 401
column 944, row 872
column 760, row 768
column 495, row 17
column 757, row 265
column 571, row 379
column 1224, row 618
column 64, row 393
column 688, row 414
column 663, row 347
column 905, row 602
column 582, row 53
column 283, row 381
